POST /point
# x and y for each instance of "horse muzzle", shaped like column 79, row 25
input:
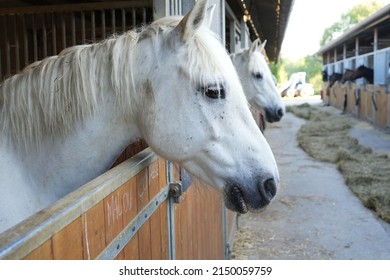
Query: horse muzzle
column 274, row 114
column 242, row 199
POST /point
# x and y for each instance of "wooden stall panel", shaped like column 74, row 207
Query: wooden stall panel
column 144, row 236
column 363, row 104
column 382, row 102
column 113, row 216
column 131, row 250
column 370, row 111
column 94, row 231
column 326, row 93
column 43, row 252
column 198, row 224
column 156, row 240
column 351, row 100
column 68, row 243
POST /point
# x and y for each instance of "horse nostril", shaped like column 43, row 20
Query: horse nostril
column 280, row 113
column 268, row 190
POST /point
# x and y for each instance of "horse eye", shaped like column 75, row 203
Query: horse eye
column 258, row 75
column 215, row 92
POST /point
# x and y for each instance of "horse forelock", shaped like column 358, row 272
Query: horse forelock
column 205, row 60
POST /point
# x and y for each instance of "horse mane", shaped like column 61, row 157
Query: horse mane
column 48, row 97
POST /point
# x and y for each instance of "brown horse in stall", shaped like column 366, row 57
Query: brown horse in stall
column 350, row 75
column 363, row 72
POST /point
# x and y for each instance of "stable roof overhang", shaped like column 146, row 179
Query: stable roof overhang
column 269, row 18
column 381, row 17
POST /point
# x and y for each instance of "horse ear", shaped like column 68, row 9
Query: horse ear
column 193, row 20
column 254, row 46
column 263, row 45
column 209, row 15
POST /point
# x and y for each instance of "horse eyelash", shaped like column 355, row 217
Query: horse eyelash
column 214, row 91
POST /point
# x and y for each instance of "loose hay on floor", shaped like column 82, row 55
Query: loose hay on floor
column 325, row 137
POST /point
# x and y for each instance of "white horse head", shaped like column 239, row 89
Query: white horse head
column 258, row 82
column 174, row 86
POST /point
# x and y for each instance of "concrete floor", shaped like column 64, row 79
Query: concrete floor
column 315, row 215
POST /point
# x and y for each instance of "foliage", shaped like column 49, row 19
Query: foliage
column 350, row 18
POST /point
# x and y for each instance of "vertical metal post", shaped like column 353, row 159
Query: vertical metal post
column 54, row 34
column 16, row 42
column 83, row 35
column 171, row 216
column 44, row 36
column 93, row 26
column 225, row 234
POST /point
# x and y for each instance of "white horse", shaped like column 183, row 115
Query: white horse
column 258, row 82
column 64, row 120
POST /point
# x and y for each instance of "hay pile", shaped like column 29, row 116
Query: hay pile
column 325, row 137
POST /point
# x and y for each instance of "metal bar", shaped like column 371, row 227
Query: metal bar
column 121, row 240
column 123, row 20
column 22, row 239
column 35, row 39
column 133, row 17
column 113, row 21
column 93, row 26
column 83, row 38
column 73, row 26
column 77, row 7
column 44, row 35
column 7, row 47
column 54, row 33
column 171, row 215
column 171, row 229
column 63, row 30
column 103, row 24
column 225, row 233
column 143, row 15
column 25, row 40
column 16, row 34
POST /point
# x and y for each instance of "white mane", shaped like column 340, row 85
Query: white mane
column 50, row 96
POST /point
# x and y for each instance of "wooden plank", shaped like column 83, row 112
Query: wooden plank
column 155, row 219
column 94, row 231
column 68, row 243
column 43, row 252
column 363, row 103
column 144, row 233
column 382, row 113
column 369, row 106
column 113, row 216
column 131, row 250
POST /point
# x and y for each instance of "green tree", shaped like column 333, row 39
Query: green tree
column 349, row 19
